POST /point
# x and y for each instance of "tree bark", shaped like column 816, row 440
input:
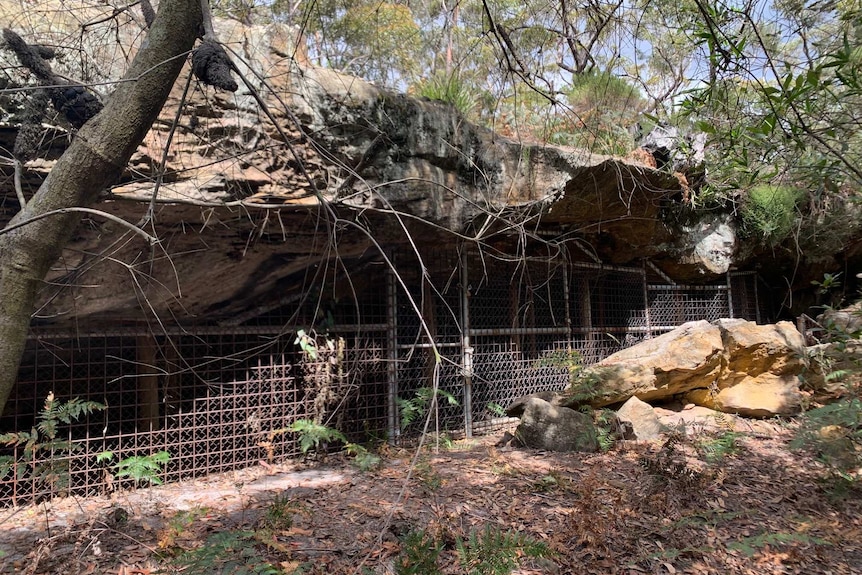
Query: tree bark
column 94, row 161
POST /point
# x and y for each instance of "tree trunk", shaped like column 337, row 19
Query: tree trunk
column 94, row 161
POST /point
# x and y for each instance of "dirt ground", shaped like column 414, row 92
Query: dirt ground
column 655, row 507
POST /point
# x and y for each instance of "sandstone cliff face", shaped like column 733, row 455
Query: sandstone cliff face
column 302, row 165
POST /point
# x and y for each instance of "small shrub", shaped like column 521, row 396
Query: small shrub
column 496, row 409
column 427, row 475
column 834, row 433
column 177, row 526
column 449, row 88
column 583, row 386
column 413, row 409
column 769, row 212
column 419, row 554
column 717, row 447
column 750, row 545
column 364, row 459
column 279, row 515
column 551, row 482
column 317, row 436
column 607, row 430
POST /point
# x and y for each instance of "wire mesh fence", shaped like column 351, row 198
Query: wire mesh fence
column 483, row 330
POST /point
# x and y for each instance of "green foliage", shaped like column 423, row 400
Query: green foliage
column 306, row 343
column 45, row 458
column 449, row 88
column 415, row 408
column 834, row 433
column 142, row 468
column 829, row 283
column 364, row 459
column 496, row 409
column 496, row 552
column 606, row 432
column 419, row 553
column 490, row 551
column 427, row 475
column 374, row 40
column 716, row 448
column 278, row 515
column 604, row 106
column 551, row 482
column 750, row 545
column 314, row 435
column 583, row 385
column 769, row 212
column 226, row 553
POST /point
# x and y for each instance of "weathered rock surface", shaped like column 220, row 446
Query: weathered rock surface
column 753, row 349
column 766, row 395
column 661, row 367
column 643, row 419
column 516, row 408
column 846, row 321
column 705, row 246
column 325, row 148
column 555, row 428
column 730, row 365
column 691, row 417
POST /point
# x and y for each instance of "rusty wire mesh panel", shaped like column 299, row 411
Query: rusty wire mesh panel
column 437, row 294
column 608, row 310
column 518, row 311
column 219, row 399
column 503, row 372
column 224, row 402
column 364, row 414
column 417, row 368
column 746, row 297
column 605, row 300
column 673, row 305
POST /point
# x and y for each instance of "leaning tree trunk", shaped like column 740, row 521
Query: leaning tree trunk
column 94, row 161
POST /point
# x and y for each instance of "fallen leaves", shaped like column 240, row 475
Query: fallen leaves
column 601, row 513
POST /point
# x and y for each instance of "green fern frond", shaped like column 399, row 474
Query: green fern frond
column 496, row 552
column 313, row 434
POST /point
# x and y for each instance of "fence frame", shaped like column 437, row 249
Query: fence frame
column 544, row 305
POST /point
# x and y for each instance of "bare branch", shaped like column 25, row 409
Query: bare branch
column 150, row 239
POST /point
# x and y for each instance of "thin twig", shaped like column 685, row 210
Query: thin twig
column 22, row 201
column 150, row 239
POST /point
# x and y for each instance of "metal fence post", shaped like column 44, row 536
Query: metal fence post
column 647, row 318
column 466, row 349
column 392, row 356
column 729, row 295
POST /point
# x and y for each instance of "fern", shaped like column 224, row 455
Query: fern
column 495, row 552
column 362, row 458
column 413, row 409
column 142, row 468
column 714, row 449
column 226, row 553
column 56, row 412
column 45, row 458
column 313, row 435
column 419, row 553
column 834, row 432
